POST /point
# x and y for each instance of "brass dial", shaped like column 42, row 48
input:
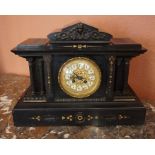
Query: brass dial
column 79, row 77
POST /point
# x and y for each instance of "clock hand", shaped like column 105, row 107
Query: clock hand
column 74, row 77
column 76, row 74
column 80, row 78
column 85, row 81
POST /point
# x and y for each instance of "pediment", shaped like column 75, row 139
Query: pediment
column 79, row 32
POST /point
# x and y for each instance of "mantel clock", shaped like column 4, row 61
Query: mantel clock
column 79, row 76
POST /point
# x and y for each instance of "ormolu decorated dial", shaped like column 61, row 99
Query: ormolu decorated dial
column 79, row 77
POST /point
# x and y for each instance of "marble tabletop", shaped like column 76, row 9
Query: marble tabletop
column 12, row 87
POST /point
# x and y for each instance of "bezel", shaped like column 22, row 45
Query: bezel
column 68, row 92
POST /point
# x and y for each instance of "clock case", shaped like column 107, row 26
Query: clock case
column 44, row 103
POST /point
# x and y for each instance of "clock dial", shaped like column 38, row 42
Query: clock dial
column 79, row 77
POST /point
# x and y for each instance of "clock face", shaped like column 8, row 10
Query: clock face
column 79, row 77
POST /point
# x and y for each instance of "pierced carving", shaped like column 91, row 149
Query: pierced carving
column 80, row 32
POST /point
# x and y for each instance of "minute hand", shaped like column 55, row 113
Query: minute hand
column 80, row 78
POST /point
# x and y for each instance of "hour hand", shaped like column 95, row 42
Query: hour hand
column 80, row 78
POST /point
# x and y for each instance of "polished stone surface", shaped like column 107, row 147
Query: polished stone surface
column 12, row 87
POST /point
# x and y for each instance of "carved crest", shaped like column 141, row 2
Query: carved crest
column 79, row 32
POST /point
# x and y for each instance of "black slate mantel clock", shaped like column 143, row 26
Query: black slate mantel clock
column 79, row 76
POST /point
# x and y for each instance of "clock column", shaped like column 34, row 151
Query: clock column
column 126, row 73
column 36, row 75
column 40, row 71
column 31, row 66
